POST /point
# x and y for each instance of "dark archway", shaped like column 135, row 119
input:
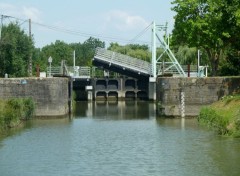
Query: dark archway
column 130, row 95
column 101, row 95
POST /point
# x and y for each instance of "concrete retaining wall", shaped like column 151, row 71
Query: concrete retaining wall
column 50, row 94
column 198, row 92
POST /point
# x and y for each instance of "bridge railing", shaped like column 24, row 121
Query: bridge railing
column 169, row 68
column 54, row 71
column 75, row 72
column 123, row 61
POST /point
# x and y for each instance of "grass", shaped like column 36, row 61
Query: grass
column 13, row 111
column 223, row 116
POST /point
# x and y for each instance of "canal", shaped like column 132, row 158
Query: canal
column 117, row 139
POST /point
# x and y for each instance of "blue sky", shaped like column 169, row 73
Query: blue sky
column 110, row 20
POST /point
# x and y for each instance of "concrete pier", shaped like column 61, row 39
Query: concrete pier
column 51, row 95
column 198, row 92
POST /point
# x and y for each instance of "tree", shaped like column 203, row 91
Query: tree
column 186, row 55
column 231, row 65
column 15, row 47
column 207, row 24
column 85, row 52
column 58, row 51
column 89, row 48
column 133, row 50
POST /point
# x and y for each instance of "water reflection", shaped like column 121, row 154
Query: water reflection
column 38, row 122
column 178, row 123
column 116, row 110
column 118, row 138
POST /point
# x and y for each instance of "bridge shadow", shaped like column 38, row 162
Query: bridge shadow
column 115, row 110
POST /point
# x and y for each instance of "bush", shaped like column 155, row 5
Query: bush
column 211, row 119
column 223, row 116
column 28, row 108
column 14, row 110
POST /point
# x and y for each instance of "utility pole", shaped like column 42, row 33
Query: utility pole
column 30, row 54
column 1, row 27
column 154, row 54
column 198, row 63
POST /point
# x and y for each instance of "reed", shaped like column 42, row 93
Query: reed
column 223, row 116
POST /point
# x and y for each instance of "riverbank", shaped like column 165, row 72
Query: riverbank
column 13, row 111
column 223, row 116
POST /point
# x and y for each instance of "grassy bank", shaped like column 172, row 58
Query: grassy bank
column 12, row 111
column 223, row 116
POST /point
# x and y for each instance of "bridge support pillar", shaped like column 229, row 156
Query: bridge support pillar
column 89, row 92
column 152, row 89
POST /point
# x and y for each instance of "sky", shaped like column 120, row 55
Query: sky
column 73, row 21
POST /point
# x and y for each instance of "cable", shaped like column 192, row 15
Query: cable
column 79, row 33
column 83, row 34
column 140, row 34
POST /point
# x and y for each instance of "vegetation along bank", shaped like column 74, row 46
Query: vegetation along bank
column 13, row 111
column 223, row 116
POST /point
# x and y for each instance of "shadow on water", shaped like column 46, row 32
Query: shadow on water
column 115, row 110
column 33, row 123
column 178, row 123
column 5, row 133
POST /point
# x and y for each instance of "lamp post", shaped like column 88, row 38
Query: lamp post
column 50, row 61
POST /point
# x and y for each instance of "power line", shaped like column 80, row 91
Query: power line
column 84, row 34
column 140, row 34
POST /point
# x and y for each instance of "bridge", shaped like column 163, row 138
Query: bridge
column 133, row 70
column 122, row 64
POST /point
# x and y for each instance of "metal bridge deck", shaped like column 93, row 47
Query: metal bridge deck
column 123, row 64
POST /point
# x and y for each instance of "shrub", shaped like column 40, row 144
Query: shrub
column 223, row 116
column 211, row 119
column 28, row 108
column 14, row 110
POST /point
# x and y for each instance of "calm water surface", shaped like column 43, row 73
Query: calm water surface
column 118, row 138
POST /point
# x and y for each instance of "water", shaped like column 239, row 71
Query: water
column 121, row 138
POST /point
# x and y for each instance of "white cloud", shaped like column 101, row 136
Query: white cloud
column 32, row 13
column 8, row 9
column 21, row 12
column 124, row 21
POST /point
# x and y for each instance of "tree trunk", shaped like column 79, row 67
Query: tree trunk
column 214, row 57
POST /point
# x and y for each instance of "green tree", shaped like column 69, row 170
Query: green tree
column 37, row 60
column 85, row 51
column 118, row 48
column 133, row 50
column 15, row 48
column 89, row 48
column 58, row 51
column 231, row 64
column 186, row 55
column 207, row 24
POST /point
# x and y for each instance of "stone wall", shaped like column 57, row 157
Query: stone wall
column 49, row 94
column 198, row 92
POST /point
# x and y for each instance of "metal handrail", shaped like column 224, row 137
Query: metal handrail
column 123, row 61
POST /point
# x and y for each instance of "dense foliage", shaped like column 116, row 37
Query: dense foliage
column 213, row 26
column 12, row 111
column 231, row 64
column 15, row 48
column 223, row 116
column 133, row 50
